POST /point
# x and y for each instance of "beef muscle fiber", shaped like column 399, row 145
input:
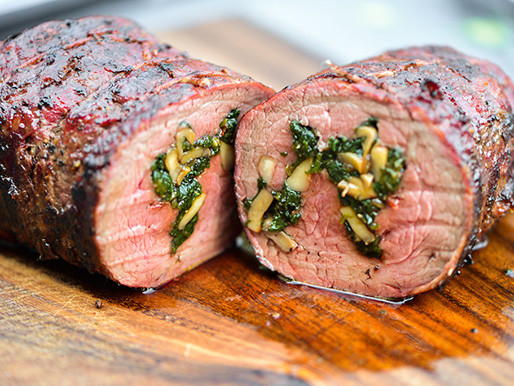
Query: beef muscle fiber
column 383, row 174
column 89, row 109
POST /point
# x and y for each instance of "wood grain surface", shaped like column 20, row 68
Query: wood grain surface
column 231, row 322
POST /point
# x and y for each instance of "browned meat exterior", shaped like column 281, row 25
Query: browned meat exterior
column 86, row 106
column 412, row 165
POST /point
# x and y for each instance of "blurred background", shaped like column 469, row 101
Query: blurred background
column 339, row 30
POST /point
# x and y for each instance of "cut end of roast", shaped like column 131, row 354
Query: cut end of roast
column 89, row 105
column 132, row 223
column 424, row 226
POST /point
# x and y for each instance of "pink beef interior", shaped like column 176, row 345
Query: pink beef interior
column 422, row 236
column 133, row 225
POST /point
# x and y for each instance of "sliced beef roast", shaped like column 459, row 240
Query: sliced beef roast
column 382, row 175
column 116, row 150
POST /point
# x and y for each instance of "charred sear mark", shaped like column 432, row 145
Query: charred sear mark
column 175, row 173
column 168, row 68
column 44, row 102
column 365, row 172
column 433, row 89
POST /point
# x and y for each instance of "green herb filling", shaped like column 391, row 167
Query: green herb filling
column 285, row 209
column 181, row 196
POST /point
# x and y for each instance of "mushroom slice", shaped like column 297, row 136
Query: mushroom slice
column 195, row 207
column 266, row 168
column 370, row 133
column 197, row 152
column 283, row 240
column 299, row 180
column 357, row 225
column 227, row 156
column 378, row 159
column 172, row 164
column 260, row 205
column 181, row 136
column 354, row 160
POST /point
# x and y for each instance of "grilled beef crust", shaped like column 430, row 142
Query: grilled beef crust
column 70, row 93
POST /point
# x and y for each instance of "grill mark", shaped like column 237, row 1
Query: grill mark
column 57, row 47
column 93, row 94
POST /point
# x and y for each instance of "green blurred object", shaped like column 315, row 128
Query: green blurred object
column 489, row 32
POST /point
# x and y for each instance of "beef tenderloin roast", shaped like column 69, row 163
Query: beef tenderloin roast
column 382, row 174
column 90, row 109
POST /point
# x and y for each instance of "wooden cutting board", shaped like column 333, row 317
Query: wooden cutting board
column 230, row 322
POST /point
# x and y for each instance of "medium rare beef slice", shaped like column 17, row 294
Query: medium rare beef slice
column 85, row 132
column 383, row 174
